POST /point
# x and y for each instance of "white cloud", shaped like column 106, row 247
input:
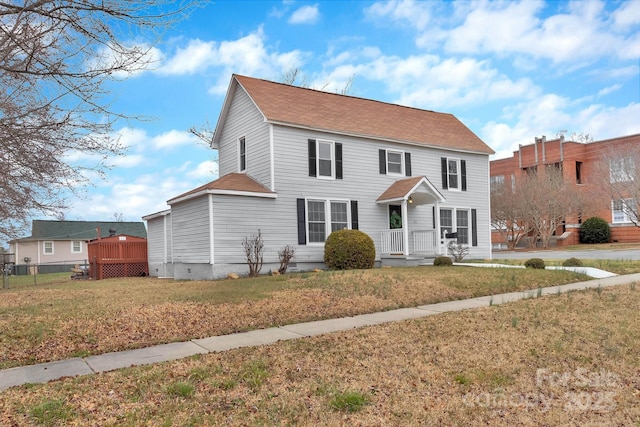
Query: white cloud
column 610, row 89
column 305, row 15
column 247, row 55
column 416, row 14
column 207, row 170
column 627, row 15
column 174, row 138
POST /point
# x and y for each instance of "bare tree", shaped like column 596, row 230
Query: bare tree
column 56, row 60
column 547, row 199
column 507, row 213
column 295, row 77
column 254, row 250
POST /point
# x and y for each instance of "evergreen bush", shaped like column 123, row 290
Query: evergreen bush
column 534, row 263
column 442, row 261
column 349, row 250
column 572, row 262
column 595, row 230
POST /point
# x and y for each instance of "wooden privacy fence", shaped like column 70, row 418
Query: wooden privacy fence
column 118, row 256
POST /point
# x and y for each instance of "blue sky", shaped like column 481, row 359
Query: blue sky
column 510, row 71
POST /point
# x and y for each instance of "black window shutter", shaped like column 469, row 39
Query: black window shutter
column 463, row 171
column 354, row 215
column 474, row 230
column 382, row 160
column 338, row 161
column 302, row 226
column 407, row 164
column 312, row 157
column 445, row 181
column 433, row 213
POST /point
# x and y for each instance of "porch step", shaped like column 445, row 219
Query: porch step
column 405, row 261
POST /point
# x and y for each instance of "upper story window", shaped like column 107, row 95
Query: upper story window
column 622, row 169
column 47, row 248
column 454, row 174
column 394, row 162
column 497, row 182
column 242, row 154
column 76, row 247
column 325, row 159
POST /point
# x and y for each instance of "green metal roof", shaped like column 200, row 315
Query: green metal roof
column 82, row 230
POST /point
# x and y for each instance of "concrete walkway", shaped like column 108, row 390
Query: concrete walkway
column 45, row 372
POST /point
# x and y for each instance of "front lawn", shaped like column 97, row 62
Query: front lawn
column 79, row 318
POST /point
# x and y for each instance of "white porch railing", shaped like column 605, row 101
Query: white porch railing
column 393, row 241
column 425, row 241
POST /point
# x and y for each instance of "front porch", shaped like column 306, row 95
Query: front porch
column 410, row 241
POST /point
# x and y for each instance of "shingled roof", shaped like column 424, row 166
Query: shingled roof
column 82, row 230
column 324, row 111
column 232, row 183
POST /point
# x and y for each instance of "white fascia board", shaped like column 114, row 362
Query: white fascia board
column 223, row 193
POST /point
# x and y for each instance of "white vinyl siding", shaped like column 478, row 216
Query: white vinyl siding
column 191, row 231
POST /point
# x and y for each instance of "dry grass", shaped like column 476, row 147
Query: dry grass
column 54, row 322
column 559, row 360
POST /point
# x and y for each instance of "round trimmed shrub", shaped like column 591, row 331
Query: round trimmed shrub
column 572, row 262
column 442, row 261
column 595, row 230
column 349, row 250
column 534, row 263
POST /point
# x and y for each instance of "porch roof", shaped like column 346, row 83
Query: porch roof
column 419, row 186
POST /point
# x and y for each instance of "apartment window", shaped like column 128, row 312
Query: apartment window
column 317, row 218
column 242, row 154
column 496, row 182
column 454, row 174
column 623, row 210
column 622, row 169
column 325, row 159
column 76, row 247
column 47, row 248
column 394, row 162
column 578, row 172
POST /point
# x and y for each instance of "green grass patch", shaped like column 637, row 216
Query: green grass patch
column 50, row 412
column 349, row 401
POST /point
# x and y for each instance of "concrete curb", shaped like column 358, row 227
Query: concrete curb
column 46, row 372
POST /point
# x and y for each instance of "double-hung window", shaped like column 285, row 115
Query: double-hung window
column 462, row 222
column 623, row 210
column 76, row 247
column 317, row 218
column 325, row 217
column 622, row 169
column 325, row 159
column 47, row 248
column 242, row 154
column 454, row 174
column 395, row 162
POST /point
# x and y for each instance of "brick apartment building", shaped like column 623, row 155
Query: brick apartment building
column 589, row 167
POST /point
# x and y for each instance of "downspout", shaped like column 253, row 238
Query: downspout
column 164, row 243
column 211, row 248
column 272, row 158
column 438, row 229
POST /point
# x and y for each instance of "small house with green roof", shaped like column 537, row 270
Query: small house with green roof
column 55, row 245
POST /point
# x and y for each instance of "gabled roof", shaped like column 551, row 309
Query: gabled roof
column 237, row 184
column 402, row 189
column 348, row 115
column 82, row 230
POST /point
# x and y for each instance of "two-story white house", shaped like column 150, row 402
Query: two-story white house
column 298, row 163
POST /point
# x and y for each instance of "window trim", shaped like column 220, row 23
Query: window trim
column 327, row 216
column 332, row 144
column 472, row 238
column 461, row 173
column 44, row 247
column 242, row 154
column 457, row 174
column 79, row 251
column 402, row 162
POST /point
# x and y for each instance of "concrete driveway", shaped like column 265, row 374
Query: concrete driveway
column 617, row 254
